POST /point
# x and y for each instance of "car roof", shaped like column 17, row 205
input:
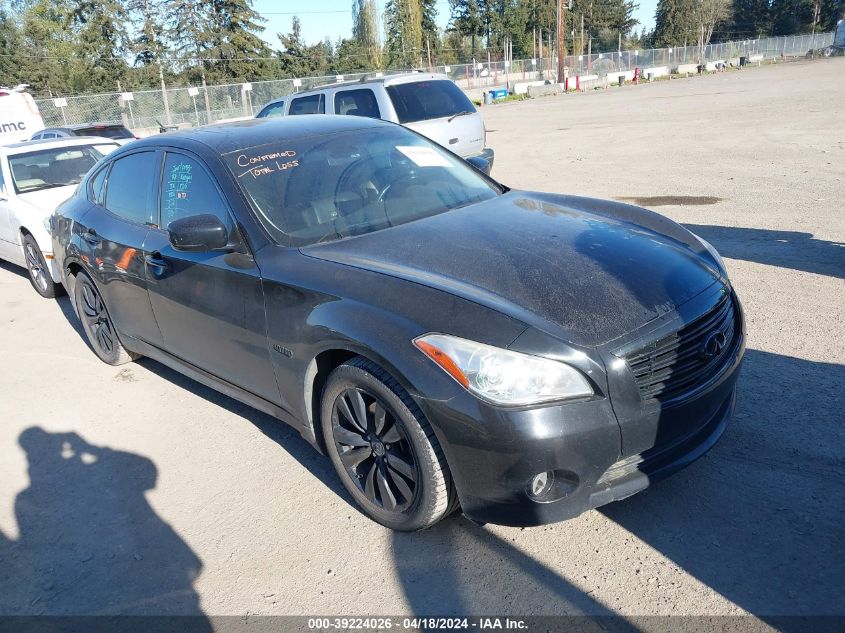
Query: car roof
column 223, row 138
column 386, row 80
column 49, row 143
column 81, row 126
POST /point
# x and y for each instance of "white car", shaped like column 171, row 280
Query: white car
column 35, row 177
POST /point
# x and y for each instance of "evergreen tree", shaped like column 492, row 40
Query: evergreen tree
column 468, row 20
column 673, row 24
column 234, row 41
column 403, row 33
column 101, row 43
column 11, row 46
column 365, row 33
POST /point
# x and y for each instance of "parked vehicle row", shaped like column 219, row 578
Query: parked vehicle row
column 117, row 133
column 35, row 177
column 447, row 341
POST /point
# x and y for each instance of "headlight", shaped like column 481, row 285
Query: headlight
column 712, row 250
column 501, row 376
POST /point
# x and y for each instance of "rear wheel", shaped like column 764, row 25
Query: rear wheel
column 39, row 271
column 97, row 323
column 383, row 448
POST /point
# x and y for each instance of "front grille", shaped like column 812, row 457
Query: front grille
column 679, row 362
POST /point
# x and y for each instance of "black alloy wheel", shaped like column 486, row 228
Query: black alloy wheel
column 384, row 449
column 97, row 323
column 373, row 450
column 39, row 271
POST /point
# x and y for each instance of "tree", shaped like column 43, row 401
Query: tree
column 241, row 53
column 365, row 32
column 430, row 30
column 403, row 33
column 706, row 15
column 101, row 42
column 468, row 20
column 749, row 19
column 673, row 23
column 11, row 45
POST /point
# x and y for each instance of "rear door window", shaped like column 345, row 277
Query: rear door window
column 273, row 110
column 423, row 100
column 187, row 189
column 129, row 193
column 312, row 104
column 360, row 102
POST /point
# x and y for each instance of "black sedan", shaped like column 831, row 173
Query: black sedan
column 447, row 341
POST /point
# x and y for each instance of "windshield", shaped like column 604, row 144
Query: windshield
column 107, row 131
column 321, row 188
column 55, row 167
column 423, row 100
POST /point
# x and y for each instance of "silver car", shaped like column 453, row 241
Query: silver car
column 427, row 103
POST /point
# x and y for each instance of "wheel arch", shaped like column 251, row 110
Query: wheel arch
column 326, row 361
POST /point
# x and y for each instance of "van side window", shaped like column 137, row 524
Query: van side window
column 360, row 102
column 311, row 104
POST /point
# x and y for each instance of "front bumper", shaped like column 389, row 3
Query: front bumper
column 493, row 454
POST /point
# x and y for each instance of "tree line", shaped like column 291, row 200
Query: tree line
column 62, row 47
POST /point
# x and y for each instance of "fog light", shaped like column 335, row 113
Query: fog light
column 541, row 484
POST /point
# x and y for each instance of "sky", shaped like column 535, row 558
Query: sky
column 334, row 17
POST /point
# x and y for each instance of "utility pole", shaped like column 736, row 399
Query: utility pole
column 561, row 8
column 164, row 95
column 582, row 35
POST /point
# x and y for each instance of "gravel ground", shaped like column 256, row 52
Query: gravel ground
column 135, row 490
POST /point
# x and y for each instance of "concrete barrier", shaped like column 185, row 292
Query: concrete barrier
column 522, row 87
column 613, row 77
column 655, row 72
column 755, row 59
column 684, row 69
column 713, row 66
column 544, row 90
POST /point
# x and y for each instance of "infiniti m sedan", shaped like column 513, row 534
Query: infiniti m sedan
column 448, row 342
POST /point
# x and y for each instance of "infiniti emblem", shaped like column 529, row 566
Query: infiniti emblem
column 713, row 345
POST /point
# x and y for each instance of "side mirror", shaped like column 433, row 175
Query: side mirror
column 204, row 232
column 479, row 163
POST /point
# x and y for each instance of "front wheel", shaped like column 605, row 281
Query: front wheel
column 39, row 271
column 383, row 448
column 97, row 323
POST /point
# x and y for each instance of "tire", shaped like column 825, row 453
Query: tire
column 39, row 270
column 397, row 474
column 98, row 326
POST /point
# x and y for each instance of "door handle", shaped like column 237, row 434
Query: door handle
column 155, row 260
column 91, row 237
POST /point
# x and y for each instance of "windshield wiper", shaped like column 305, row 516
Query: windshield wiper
column 457, row 114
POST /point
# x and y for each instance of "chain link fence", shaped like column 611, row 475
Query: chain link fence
column 145, row 110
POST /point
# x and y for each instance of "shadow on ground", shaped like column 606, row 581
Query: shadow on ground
column 89, row 542
column 787, row 249
column 759, row 520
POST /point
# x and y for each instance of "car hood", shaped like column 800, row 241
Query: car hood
column 47, row 200
column 584, row 270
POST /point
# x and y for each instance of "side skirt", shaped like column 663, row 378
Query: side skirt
column 220, row 385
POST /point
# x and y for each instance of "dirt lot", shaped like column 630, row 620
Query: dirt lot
column 136, row 490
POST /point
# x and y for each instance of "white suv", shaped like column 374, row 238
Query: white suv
column 427, row 103
column 35, row 177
